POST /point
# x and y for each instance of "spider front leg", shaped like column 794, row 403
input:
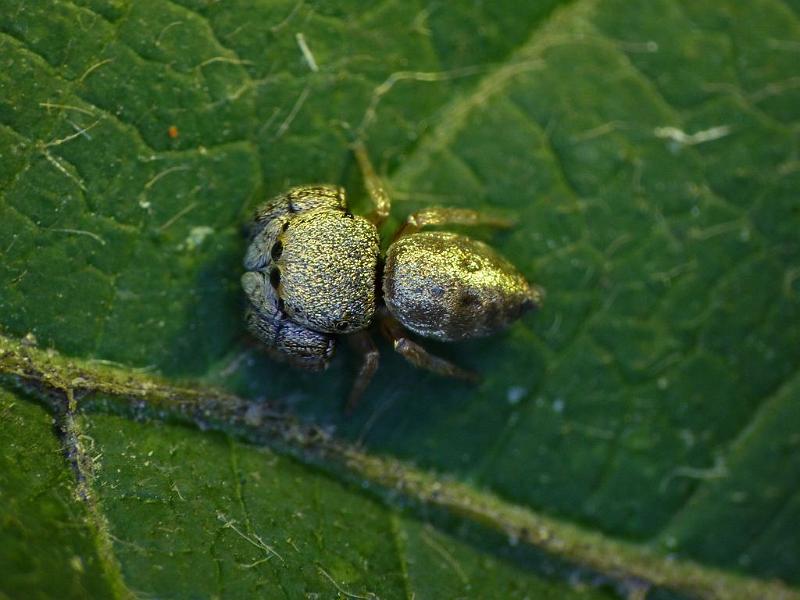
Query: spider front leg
column 382, row 205
column 448, row 216
column 419, row 357
column 363, row 344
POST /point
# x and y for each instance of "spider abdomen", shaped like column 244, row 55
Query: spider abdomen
column 450, row 287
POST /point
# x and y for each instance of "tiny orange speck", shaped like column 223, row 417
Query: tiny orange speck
column 172, row 132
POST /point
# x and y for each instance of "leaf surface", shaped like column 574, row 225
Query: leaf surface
column 648, row 152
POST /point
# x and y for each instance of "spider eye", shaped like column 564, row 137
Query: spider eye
column 277, row 250
column 275, row 278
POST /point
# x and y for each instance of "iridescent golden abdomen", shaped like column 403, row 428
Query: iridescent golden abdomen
column 450, row 287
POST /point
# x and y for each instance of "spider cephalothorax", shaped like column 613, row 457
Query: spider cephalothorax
column 314, row 272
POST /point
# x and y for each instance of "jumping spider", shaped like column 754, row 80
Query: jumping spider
column 314, row 271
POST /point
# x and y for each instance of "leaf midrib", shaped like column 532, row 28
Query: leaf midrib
column 53, row 379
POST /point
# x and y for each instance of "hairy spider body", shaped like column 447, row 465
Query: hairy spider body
column 314, row 272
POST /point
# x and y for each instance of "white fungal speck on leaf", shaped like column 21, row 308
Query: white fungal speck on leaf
column 196, row 237
column 515, row 394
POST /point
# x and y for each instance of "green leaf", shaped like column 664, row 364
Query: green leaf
column 73, row 388
column 47, row 546
column 648, row 151
column 192, row 514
